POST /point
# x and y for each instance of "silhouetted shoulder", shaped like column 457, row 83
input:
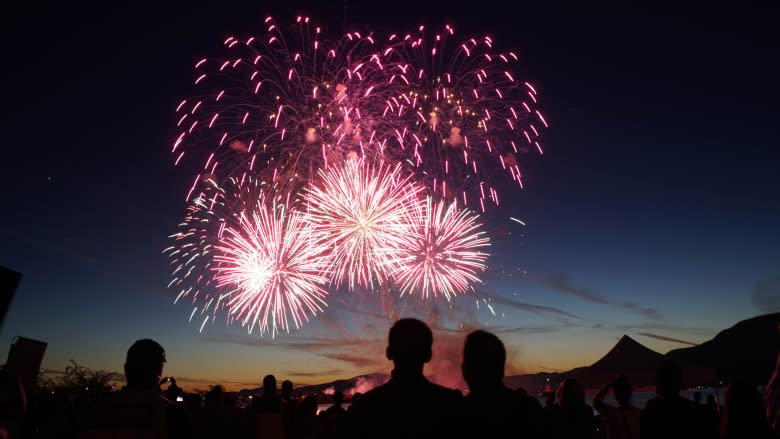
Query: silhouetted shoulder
column 403, row 409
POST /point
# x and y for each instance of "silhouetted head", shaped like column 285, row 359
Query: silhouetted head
column 215, row 397
column 307, row 407
column 144, row 364
column 697, row 397
column 621, row 386
column 173, row 381
column 409, row 343
column 668, row 379
column 484, row 357
column 338, row 397
column 269, row 385
column 571, row 393
column 287, row 387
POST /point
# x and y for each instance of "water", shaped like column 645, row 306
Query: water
column 639, row 398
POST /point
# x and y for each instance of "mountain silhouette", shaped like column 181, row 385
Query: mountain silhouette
column 627, row 357
column 639, row 363
column 747, row 350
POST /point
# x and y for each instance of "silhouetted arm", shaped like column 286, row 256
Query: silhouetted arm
column 598, row 398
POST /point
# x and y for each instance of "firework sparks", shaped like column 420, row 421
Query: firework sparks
column 457, row 112
column 271, row 269
column 284, row 105
column 360, row 212
column 241, row 252
column 444, row 252
column 343, row 162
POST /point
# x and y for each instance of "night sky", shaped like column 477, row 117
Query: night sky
column 654, row 211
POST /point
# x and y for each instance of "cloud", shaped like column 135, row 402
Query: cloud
column 766, row 295
column 562, row 284
column 360, row 361
column 529, row 329
column 660, row 326
column 297, row 374
column 238, row 340
column 665, row 338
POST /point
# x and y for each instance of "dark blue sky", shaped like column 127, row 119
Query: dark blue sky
column 655, row 209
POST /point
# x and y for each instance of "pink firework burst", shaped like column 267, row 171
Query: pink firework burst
column 280, row 105
column 457, row 112
column 360, row 213
column 444, row 252
column 271, row 269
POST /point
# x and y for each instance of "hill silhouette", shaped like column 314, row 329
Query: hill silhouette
column 639, row 364
column 747, row 350
column 628, row 357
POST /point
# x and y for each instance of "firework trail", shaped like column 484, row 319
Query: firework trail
column 360, row 213
column 280, row 106
column 444, row 251
column 456, row 112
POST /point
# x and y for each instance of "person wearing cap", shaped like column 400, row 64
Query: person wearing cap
column 139, row 409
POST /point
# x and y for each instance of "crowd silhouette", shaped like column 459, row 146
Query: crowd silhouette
column 408, row 405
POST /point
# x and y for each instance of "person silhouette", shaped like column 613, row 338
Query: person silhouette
column 290, row 405
column 772, row 396
column 408, row 405
column 669, row 415
column 286, row 394
column 13, row 404
column 173, row 392
column 744, row 414
column 139, row 409
column 490, row 407
column 355, row 396
column 622, row 421
column 570, row 417
column 332, row 416
column 269, row 411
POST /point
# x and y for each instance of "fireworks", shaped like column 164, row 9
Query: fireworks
column 325, row 163
column 360, row 214
column 456, row 112
column 443, row 255
column 240, row 250
column 282, row 105
column 270, row 268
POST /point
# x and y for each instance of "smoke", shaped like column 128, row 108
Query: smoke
column 444, row 367
column 311, row 135
column 238, row 145
column 766, row 295
column 455, row 138
column 364, row 384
